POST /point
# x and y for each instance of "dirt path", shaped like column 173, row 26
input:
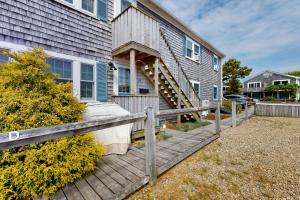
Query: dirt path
column 258, row 160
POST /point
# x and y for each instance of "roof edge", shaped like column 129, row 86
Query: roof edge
column 282, row 74
column 158, row 9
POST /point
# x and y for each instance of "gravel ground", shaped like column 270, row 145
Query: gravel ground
column 260, row 159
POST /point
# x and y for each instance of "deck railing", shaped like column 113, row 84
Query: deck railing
column 133, row 25
column 31, row 136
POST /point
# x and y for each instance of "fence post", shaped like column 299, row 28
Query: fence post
column 233, row 114
column 218, row 118
column 150, row 145
column 246, row 110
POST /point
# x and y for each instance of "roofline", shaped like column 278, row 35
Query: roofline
column 158, row 9
column 282, row 74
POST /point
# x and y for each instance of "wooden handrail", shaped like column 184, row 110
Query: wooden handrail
column 36, row 135
column 166, row 113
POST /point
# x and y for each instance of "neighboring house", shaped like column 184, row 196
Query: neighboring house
column 130, row 52
column 255, row 87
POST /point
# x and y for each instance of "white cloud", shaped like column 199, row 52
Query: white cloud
column 246, row 29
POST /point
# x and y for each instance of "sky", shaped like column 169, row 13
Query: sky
column 262, row 34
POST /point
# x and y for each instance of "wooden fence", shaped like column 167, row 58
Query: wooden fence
column 277, row 110
column 25, row 137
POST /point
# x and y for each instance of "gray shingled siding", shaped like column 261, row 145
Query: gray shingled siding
column 58, row 28
column 144, row 83
column 199, row 72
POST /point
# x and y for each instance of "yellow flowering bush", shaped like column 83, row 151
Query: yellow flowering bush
column 30, row 98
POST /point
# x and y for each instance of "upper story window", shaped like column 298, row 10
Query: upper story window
column 94, row 8
column 88, row 5
column 125, row 4
column 215, row 62
column 281, row 82
column 192, row 50
column 121, row 5
column 87, row 81
column 254, row 84
column 124, row 81
column 61, row 67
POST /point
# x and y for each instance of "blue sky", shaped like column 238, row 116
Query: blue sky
column 262, row 34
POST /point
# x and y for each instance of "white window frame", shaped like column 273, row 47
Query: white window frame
column 255, row 84
column 215, row 86
column 72, row 69
column 281, row 80
column 124, row 66
column 193, row 58
column 199, row 83
column 216, row 67
column 94, row 13
column 94, row 81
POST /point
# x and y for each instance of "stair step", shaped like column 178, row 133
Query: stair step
column 166, row 92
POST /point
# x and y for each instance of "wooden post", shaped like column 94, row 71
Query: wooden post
column 156, row 76
column 179, row 95
column 246, row 110
column 150, row 145
column 132, row 72
column 233, row 109
column 218, row 119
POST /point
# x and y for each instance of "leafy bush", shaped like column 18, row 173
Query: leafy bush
column 187, row 126
column 29, row 98
column 268, row 98
column 228, row 105
column 291, row 87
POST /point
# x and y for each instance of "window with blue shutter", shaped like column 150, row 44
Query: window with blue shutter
column 102, row 9
column 101, row 82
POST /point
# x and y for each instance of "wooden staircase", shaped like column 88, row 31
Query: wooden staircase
column 169, row 88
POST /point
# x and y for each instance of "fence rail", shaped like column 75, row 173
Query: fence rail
column 25, row 137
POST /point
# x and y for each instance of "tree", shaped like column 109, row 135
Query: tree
column 294, row 73
column 30, row 98
column 232, row 72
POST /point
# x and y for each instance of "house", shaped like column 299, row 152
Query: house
column 131, row 52
column 256, row 86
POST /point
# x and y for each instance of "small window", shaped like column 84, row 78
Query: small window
column 215, row 92
column 124, row 81
column 254, row 85
column 61, row 67
column 87, row 81
column 69, row 1
column 197, row 88
column 189, row 49
column 215, row 62
column 197, row 56
column 88, row 5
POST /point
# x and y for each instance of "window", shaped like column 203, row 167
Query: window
column 124, row 80
column 215, row 92
column 192, row 50
column 61, row 67
column 197, row 52
column 3, row 58
column 87, row 81
column 125, row 4
column 197, row 88
column 254, row 85
column 69, row 1
column 88, row 5
column 281, row 82
column 215, row 62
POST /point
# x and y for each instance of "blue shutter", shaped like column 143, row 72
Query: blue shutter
column 102, row 9
column 184, row 46
column 101, row 82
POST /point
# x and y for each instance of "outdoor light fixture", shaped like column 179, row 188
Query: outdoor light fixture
column 112, row 66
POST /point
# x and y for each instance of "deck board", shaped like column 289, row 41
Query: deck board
column 117, row 176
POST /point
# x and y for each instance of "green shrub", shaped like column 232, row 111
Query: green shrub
column 268, row 98
column 29, row 98
column 228, row 105
column 188, row 126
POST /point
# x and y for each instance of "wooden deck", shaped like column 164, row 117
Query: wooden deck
column 117, row 176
